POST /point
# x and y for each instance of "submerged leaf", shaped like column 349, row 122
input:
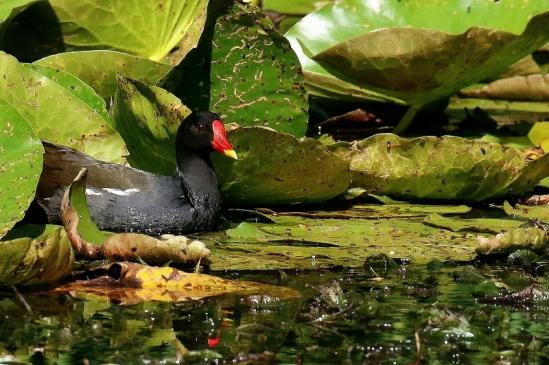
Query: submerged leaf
column 147, row 29
column 33, row 255
column 277, row 168
column 57, row 115
column 147, row 117
column 523, row 88
column 131, row 283
column 441, row 168
column 20, row 166
column 94, row 244
column 99, row 68
column 402, row 50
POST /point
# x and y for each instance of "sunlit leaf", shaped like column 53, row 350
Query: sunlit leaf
column 56, row 114
column 277, row 168
column 147, row 29
column 441, row 168
column 540, row 212
column 99, row 68
column 20, row 166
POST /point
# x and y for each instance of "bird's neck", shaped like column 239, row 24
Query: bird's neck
column 198, row 180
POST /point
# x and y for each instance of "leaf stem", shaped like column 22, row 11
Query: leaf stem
column 405, row 121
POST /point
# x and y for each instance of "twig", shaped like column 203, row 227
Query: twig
column 22, row 299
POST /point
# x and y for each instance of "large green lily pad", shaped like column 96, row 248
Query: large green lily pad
column 33, row 255
column 294, row 242
column 148, row 29
column 536, row 212
column 56, row 114
column 99, row 68
column 20, row 166
column 418, row 51
column 248, row 71
column 441, row 168
column 147, row 117
column 276, row 168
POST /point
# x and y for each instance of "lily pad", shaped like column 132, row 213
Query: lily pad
column 33, row 255
column 77, row 87
column 520, row 88
column 539, row 212
column 20, row 166
column 441, row 168
column 481, row 225
column 295, row 242
column 147, row 117
column 131, row 283
column 249, row 75
column 99, row 68
column 146, row 29
column 539, row 135
column 55, row 114
column 409, row 51
column 276, row 168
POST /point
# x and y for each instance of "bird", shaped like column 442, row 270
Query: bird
column 126, row 199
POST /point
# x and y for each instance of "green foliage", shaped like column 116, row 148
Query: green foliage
column 441, row 168
column 99, row 68
column 277, row 168
column 249, row 73
column 56, row 114
column 34, row 255
column 147, row 117
column 144, row 28
column 20, row 166
column 415, row 51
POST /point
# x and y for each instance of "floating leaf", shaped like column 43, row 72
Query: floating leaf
column 249, row 73
column 441, row 168
column 482, row 225
column 55, row 114
column 524, row 238
column 539, row 135
column 299, row 7
column 148, row 117
column 520, row 88
column 277, row 168
column 394, row 48
column 131, row 283
column 146, row 29
column 92, row 243
column 75, row 86
column 99, row 68
column 20, row 166
column 539, row 212
column 32, row 255
column 295, row 242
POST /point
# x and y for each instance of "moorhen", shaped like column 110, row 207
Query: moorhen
column 125, row 199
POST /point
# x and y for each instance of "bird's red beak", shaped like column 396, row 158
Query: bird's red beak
column 220, row 142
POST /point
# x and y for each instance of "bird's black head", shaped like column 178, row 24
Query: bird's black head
column 203, row 132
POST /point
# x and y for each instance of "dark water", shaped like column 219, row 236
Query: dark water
column 382, row 314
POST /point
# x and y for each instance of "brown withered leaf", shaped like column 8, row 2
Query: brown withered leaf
column 94, row 244
column 130, row 283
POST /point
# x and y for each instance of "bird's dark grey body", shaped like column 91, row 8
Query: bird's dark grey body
column 122, row 198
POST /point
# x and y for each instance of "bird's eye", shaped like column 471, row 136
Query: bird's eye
column 200, row 127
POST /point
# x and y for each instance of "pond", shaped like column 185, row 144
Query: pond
column 386, row 312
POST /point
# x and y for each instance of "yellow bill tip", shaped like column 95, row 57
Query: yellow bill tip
column 231, row 154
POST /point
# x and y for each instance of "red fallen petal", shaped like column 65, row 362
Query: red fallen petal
column 213, row 342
